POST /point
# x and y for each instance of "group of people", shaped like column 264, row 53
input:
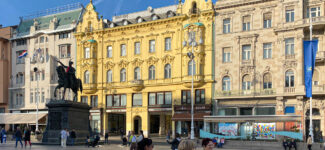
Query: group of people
column 3, row 135
column 64, row 136
column 288, row 144
column 25, row 135
column 137, row 142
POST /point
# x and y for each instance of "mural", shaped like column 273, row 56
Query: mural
column 264, row 130
column 228, row 129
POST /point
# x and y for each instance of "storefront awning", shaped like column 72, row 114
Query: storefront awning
column 259, row 118
column 187, row 116
column 21, row 118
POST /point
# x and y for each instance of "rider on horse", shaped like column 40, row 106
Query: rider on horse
column 70, row 72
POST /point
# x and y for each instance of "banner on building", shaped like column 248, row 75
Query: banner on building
column 228, row 129
column 310, row 50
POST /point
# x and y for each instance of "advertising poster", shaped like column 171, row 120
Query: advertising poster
column 263, row 130
column 228, row 129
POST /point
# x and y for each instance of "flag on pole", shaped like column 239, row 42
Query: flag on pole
column 310, row 50
column 23, row 54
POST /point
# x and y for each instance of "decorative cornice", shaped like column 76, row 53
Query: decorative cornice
column 109, row 65
column 137, row 62
column 137, row 37
column 152, row 60
column 123, row 63
column 167, row 59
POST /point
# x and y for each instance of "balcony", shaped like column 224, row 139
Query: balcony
column 264, row 92
column 290, row 56
column 247, row 62
column 320, row 56
column 289, row 90
column 197, row 81
column 137, row 85
column 315, row 20
column 89, row 88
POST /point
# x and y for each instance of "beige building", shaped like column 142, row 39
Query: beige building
column 46, row 39
column 259, row 66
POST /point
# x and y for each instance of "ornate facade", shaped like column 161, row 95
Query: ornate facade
column 136, row 71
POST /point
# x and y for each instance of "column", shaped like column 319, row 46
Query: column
column 279, row 111
column 105, row 121
column 162, row 125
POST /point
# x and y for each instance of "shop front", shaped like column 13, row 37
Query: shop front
column 95, row 120
column 160, row 120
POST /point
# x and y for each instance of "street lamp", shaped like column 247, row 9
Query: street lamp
column 192, row 42
column 38, row 96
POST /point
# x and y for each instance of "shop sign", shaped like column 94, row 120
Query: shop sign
column 116, row 110
column 160, row 109
column 228, row 129
column 196, row 108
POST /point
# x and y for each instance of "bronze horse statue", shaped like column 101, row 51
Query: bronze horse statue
column 67, row 79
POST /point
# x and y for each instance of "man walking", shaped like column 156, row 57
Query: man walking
column 106, row 137
column 73, row 136
column 19, row 136
column 27, row 137
column 4, row 136
column 64, row 136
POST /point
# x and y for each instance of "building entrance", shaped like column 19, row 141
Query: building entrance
column 116, row 122
column 137, row 125
column 316, row 130
column 154, row 123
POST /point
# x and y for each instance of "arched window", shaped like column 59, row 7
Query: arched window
column 289, row 79
column 226, row 83
column 109, row 76
column 170, row 14
column 154, row 17
column 87, row 52
column 139, row 19
column 316, row 77
column 123, row 75
column 190, row 63
column 267, row 81
column 86, row 77
column 315, row 112
column 246, row 85
column 90, row 28
column 194, row 8
column 168, row 71
column 137, row 73
column 125, row 22
column 152, row 72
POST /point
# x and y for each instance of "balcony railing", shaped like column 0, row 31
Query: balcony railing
column 320, row 56
column 89, row 88
column 246, row 93
column 289, row 90
column 290, row 56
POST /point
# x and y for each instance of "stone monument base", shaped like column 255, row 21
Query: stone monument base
column 66, row 115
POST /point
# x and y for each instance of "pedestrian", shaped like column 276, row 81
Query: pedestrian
column 215, row 141
column 167, row 135
column 175, row 142
column 222, row 142
column 129, row 135
column 73, row 136
column 87, row 141
column 4, row 136
column 207, row 144
column 285, row 144
column 133, row 141
column 140, row 137
column 106, row 137
column 219, row 142
column 145, row 144
column 293, row 144
column 1, row 140
column 309, row 142
column 96, row 140
column 121, row 133
column 186, row 145
column 27, row 137
column 64, row 136
column 19, row 136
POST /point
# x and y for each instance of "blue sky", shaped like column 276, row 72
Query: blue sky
column 11, row 10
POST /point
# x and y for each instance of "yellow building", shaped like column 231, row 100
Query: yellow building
column 136, row 70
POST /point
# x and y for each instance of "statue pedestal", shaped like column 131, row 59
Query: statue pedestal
column 66, row 115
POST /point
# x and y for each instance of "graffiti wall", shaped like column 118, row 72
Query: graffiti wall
column 228, row 129
column 264, row 130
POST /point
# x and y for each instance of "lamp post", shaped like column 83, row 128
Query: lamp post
column 37, row 98
column 192, row 43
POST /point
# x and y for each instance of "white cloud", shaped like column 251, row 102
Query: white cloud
column 96, row 2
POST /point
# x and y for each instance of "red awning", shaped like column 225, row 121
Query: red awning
column 187, row 116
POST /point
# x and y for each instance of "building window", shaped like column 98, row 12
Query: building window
column 168, row 44
column 86, row 77
column 267, row 81
column 65, row 51
column 19, row 78
column 199, row 96
column 289, row 46
column 154, row 17
column 37, row 97
column 267, row 20
column 313, row 11
column 94, row 101
column 246, row 111
column 41, row 39
column 227, row 111
column 137, row 99
column 226, row 83
column 64, row 35
column 21, row 42
column 189, row 67
column 43, row 75
column 123, row 50
column 226, row 55
column 87, row 52
column 168, row 71
column 152, row 46
column 316, row 77
column 290, row 15
column 109, row 52
column 226, row 25
column 264, row 111
column 43, row 97
column 125, row 22
column 186, row 97
column 31, row 97
column 109, row 76
column 194, row 8
column 117, row 100
column 267, row 50
column 160, row 98
column 246, row 85
column 152, row 73
column 137, row 48
column 123, row 75
column 289, row 79
column 246, row 52
column 31, row 76
column 84, row 99
column 137, row 73
column 37, row 76
column 20, row 60
column 139, row 20
column 170, row 14
column 246, row 23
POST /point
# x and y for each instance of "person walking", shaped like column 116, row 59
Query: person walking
column 145, row 144
column 4, row 136
column 285, row 144
column 129, row 135
column 1, row 136
column 64, row 136
column 293, row 144
column 133, row 141
column 175, row 142
column 106, row 137
column 186, row 145
column 140, row 137
column 309, row 142
column 73, row 136
column 207, row 144
column 19, row 136
column 27, row 137
column 121, row 133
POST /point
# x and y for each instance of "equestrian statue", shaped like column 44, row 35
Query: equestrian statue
column 67, row 79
